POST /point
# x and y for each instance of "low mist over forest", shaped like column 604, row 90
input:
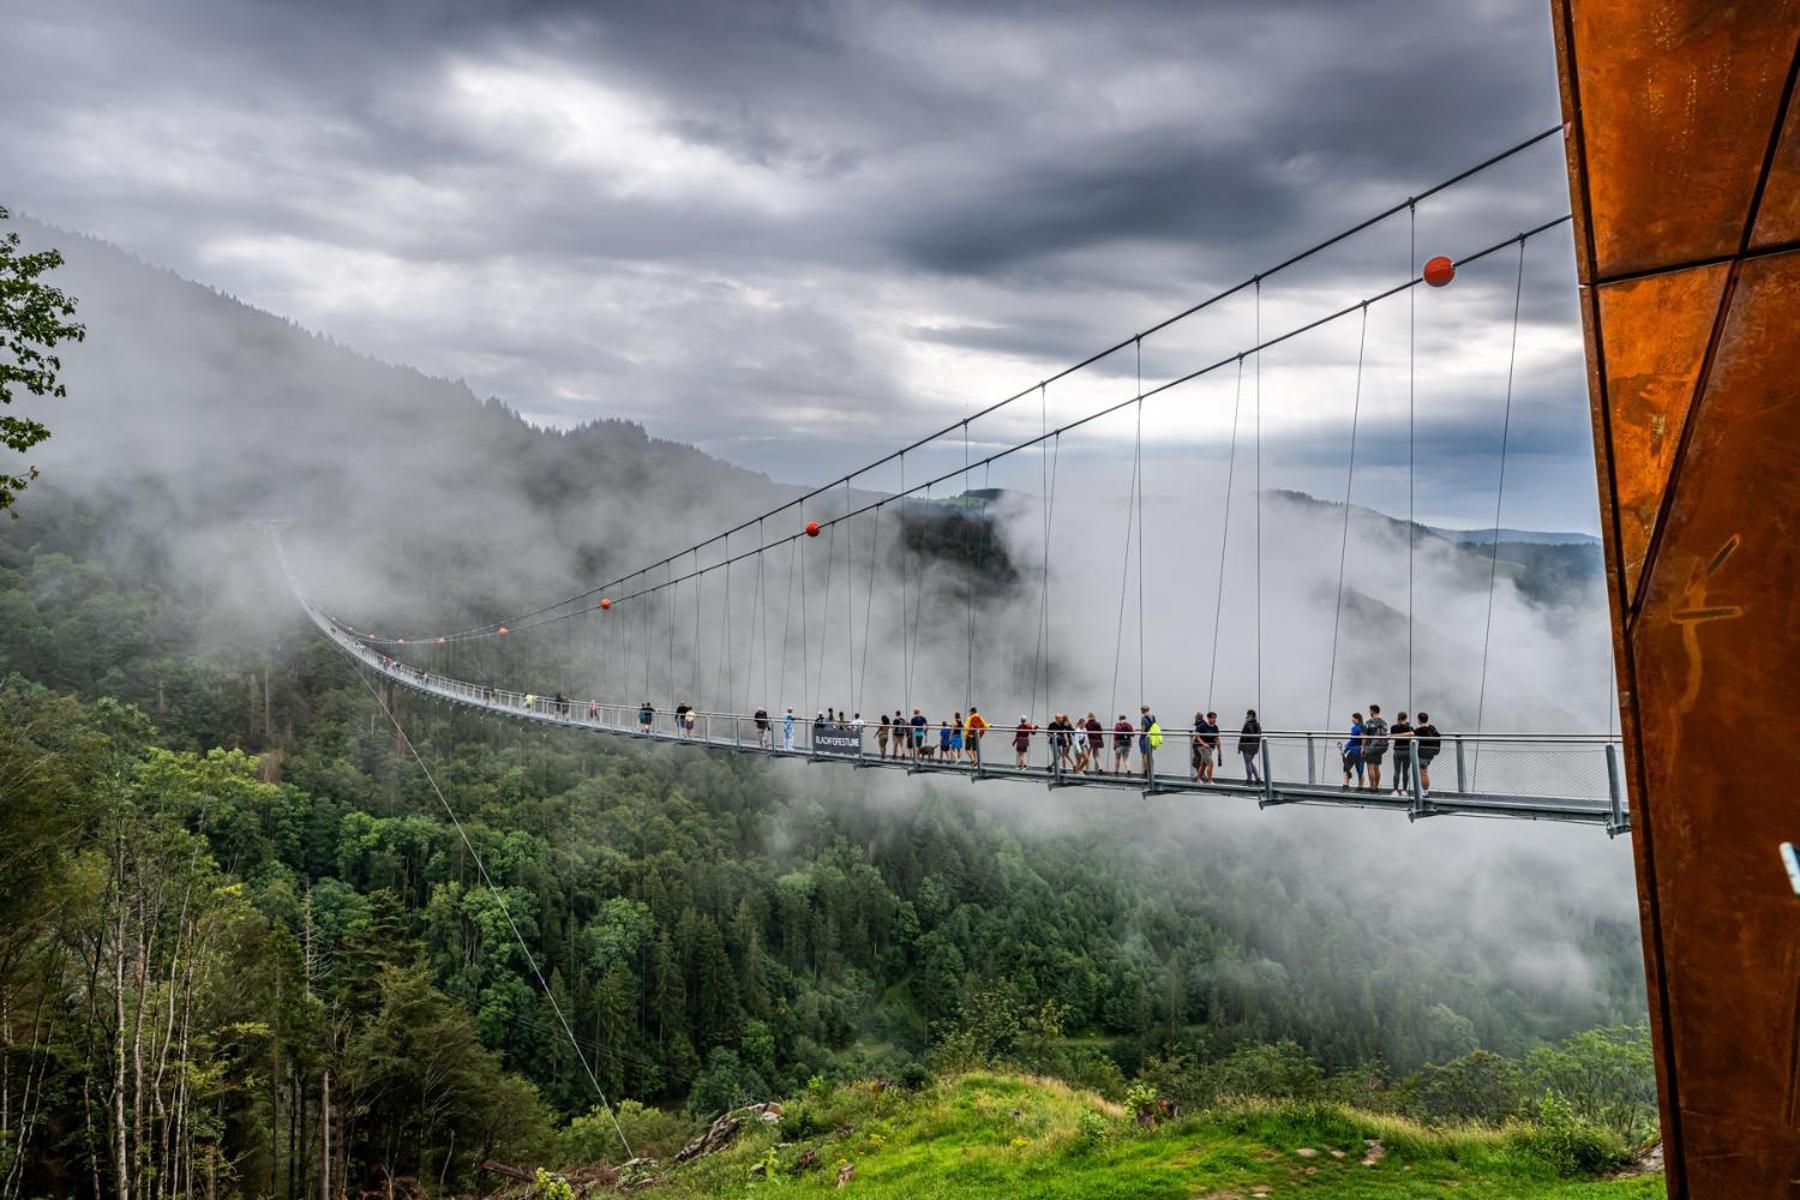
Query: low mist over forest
column 219, row 854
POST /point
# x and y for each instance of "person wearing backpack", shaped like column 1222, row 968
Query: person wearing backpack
column 1375, row 745
column 1153, row 740
column 1431, row 742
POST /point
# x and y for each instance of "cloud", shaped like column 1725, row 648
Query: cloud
column 792, row 232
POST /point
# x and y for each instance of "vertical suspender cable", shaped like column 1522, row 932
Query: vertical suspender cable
column 805, row 625
column 1043, row 621
column 1237, row 405
column 1500, row 493
column 918, row 610
column 869, row 609
column 1139, row 343
column 825, row 612
column 1259, row 500
column 1344, row 545
column 969, row 573
column 762, row 596
column 850, row 604
column 1412, row 527
column 787, row 621
column 1132, row 525
column 905, row 598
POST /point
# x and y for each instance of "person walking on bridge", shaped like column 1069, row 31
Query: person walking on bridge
column 1430, row 743
column 1401, row 730
column 1250, row 745
column 1022, row 741
column 787, row 729
column 1375, row 745
column 1096, row 741
column 646, row 715
column 1353, row 753
column 977, row 727
column 1122, row 731
column 762, row 727
column 1199, row 750
column 917, row 741
column 882, row 728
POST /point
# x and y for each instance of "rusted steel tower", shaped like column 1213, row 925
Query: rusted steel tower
column 1684, row 161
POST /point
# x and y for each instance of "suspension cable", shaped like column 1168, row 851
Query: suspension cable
column 500, row 902
column 1090, row 360
column 1500, row 490
column 1412, row 478
column 1055, row 434
column 1142, row 698
column 861, row 693
column 1259, row 504
column 969, row 575
column 1344, row 545
column 1237, row 405
column 1132, row 523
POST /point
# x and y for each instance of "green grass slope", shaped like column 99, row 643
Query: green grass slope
column 988, row 1134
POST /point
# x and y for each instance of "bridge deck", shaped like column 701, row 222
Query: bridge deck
column 1536, row 774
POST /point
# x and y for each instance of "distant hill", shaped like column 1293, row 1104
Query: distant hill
column 189, row 412
column 1534, row 537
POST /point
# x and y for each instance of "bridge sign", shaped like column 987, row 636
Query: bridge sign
column 840, row 741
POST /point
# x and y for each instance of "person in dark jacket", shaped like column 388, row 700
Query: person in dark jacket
column 1250, row 745
column 1430, row 743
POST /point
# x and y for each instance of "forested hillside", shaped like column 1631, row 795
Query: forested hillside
column 242, row 891
column 243, row 941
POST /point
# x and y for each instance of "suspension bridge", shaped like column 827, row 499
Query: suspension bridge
column 1682, row 148
column 1566, row 776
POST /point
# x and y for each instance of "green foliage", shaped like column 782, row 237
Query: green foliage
column 1606, row 1076
column 1480, row 1086
column 33, row 321
column 1090, row 1131
column 1569, row 1142
column 652, row 1133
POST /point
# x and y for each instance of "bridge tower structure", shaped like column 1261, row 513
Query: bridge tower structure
column 1684, row 163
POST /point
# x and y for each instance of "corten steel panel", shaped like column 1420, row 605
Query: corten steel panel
column 1657, row 330
column 1679, row 96
column 1702, row 524
column 1778, row 220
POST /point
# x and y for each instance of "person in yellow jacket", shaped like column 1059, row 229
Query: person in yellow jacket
column 975, row 727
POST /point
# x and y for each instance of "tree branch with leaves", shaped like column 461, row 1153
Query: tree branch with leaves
column 33, row 321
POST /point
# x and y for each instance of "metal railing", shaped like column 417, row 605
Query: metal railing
column 1544, row 777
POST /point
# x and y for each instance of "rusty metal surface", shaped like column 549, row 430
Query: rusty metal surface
column 1678, row 153
column 1679, row 98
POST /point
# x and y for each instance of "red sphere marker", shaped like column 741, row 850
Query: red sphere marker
column 440, row 641
column 1439, row 271
column 605, row 603
column 812, row 529
column 502, row 631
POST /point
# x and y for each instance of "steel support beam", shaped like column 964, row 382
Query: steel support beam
column 1684, row 164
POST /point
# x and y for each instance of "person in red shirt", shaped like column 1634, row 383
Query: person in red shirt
column 1022, row 740
column 1122, row 731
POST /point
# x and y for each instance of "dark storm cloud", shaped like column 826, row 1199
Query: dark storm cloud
column 743, row 222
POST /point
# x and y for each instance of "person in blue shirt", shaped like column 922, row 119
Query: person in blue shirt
column 1353, row 760
column 787, row 730
column 918, row 723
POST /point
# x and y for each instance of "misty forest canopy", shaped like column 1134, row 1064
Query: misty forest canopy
column 220, row 864
column 33, row 321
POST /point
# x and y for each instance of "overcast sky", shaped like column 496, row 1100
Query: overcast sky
column 797, row 233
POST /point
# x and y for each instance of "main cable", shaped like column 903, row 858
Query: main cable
column 1054, row 434
column 1184, row 314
